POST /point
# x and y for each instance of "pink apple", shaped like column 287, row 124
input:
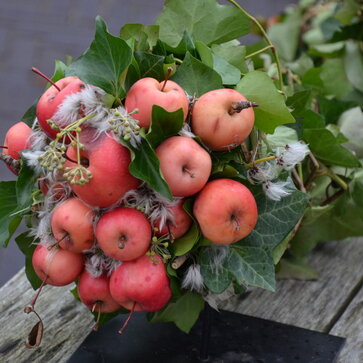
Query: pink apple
column 73, row 219
column 94, row 292
column 108, row 161
column 185, row 165
column 141, row 282
column 177, row 226
column 124, row 233
column 57, row 266
column 226, row 211
column 147, row 92
column 216, row 122
column 17, row 140
column 52, row 98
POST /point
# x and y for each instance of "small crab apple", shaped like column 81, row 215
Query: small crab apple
column 94, row 292
column 226, row 211
column 16, row 140
column 108, row 162
column 147, row 92
column 52, row 98
column 178, row 225
column 58, row 267
column 124, row 233
column 141, row 284
column 72, row 225
column 185, row 165
column 223, row 118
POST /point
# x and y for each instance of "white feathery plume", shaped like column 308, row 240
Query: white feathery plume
column 186, row 131
column 263, row 172
column 292, row 154
column 98, row 263
column 32, row 159
column 193, row 279
column 277, row 190
column 217, row 255
column 38, row 140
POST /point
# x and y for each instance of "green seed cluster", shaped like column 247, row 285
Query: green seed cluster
column 124, row 126
column 52, row 159
column 159, row 246
column 78, row 175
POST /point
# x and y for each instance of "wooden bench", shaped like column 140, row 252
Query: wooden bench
column 333, row 304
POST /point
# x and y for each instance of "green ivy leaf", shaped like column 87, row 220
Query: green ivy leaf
column 59, row 71
column 275, row 219
column 103, row 62
column 185, row 45
column 196, row 77
column 150, row 65
column 205, row 20
column 353, row 64
column 258, row 87
column 164, row 124
column 30, row 114
column 146, row 36
column 184, row 312
column 251, row 265
column 215, row 278
column 146, row 167
column 327, row 148
column 27, row 246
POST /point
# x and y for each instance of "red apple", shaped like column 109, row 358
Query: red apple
column 73, row 219
column 94, row 292
column 226, row 211
column 141, row 282
column 147, row 92
column 124, row 234
column 52, row 98
column 218, row 123
column 178, row 225
column 17, row 140
column 108, row 161
column 57, row 266
column 185, row 165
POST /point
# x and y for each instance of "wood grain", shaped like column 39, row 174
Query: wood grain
column 350, row 325
column 66, row 322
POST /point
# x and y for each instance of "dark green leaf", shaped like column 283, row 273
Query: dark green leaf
column 332, row 109
column 348, row 11
column 312, row 120
column 27, row 245
column 353, row 64
column 275, row 219
column 185, row 45
column 329, row 27
column 150, row 65
column 299, row 102
column 59, row 71
column 215, row 277
column 329, row 50
column 327, row 148
column 104, row 61
column 146, row 36
column 146, row 167
column 357, row 192
column 164, row 124
column 312, row 78
column 184, row 312
column 258, row 87
column 30, row 115
column 196, row 78
column 251, row 265
column 205, row 20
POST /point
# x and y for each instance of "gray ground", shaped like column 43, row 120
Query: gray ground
column 36, row 32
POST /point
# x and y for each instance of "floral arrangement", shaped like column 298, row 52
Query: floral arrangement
column 171, row 165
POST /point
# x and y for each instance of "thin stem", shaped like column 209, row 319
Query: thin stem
column 267, row 39
column 128, row 319
column 166, row 78
column 268, row 158
column 298, row 180
column 37, row 71
column 251, row 55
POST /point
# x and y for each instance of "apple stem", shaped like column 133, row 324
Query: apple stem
column 166, row 78
column 37, row 71
column 170, row 233
column 237, row 107
column 128, row 319
column 186, row 170
column 56, row 243
column 97, row 304
column 30, row 308
column 4, row 147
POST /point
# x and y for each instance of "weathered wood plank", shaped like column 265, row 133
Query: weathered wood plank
column 66, row 322
column 310, row 304
column 350, row 325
